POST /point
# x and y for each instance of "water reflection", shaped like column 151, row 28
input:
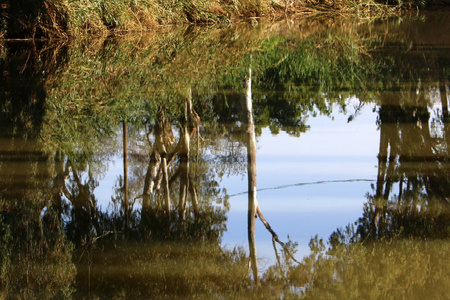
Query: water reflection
column 170, row 106
column 413, row 162
column 36, row 255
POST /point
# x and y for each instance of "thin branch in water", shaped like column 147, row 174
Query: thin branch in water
column 305, row 183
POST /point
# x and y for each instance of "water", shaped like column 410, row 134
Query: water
column 351, row 126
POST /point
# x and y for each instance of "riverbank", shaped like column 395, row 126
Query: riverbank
column 65, row 18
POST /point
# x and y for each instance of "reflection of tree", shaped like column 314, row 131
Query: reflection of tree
column 84, row 212
column 174, row 241
column 179, row 189
column 253, row 207
column 251, row 174
column 164, row 152
column 125, row 175
column 398, row 246
column 412, row 161
column 35, row 255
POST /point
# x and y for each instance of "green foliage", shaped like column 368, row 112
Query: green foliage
column 294, row 77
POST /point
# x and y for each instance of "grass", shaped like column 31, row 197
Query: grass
column 64, row 18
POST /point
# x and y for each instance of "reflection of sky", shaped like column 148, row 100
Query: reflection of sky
column 106, row 187
column 330, row 150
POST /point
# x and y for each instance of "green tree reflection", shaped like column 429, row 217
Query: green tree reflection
column 179, row 95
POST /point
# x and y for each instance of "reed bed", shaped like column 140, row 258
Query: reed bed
column 66, row 18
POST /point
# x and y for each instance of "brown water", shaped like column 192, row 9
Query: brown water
column 132, row 167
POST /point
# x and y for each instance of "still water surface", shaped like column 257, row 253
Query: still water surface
column 129, row 165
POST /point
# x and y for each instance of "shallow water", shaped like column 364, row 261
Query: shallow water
column 351, row 126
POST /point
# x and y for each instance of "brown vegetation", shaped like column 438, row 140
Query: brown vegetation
column 63, row 18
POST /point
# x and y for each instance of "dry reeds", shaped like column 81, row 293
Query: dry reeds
column 63, row 18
